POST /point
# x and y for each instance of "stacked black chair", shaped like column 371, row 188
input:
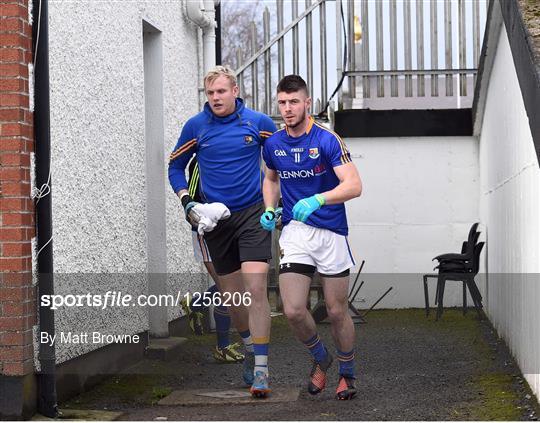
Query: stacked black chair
column 458, row 267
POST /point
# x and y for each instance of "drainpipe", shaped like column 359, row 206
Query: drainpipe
column 218, row 33
column 47, row 399
column 203, row 14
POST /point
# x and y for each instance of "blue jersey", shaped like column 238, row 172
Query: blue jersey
column 305, row 166
column 228, row 153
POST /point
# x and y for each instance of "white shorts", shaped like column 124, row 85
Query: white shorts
column 327, row 251
column 200, row 249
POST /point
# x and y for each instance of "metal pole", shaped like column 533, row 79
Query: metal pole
column 393, row 48
column 448, row 45
column 408, row 47
column 309, row 51
column 267, row 65
column 365, row 48
column 434, row 48
column 380, row 47
column 322, row 21
column 254, row 70
column 421, row 90
column 350, row 48
column 296, row 47
column 281, row 49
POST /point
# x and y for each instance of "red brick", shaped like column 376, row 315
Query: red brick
column 17, row 249
column 28, row 116
column 16, row 338
column 14, row 174
column 16, row 144
column 15, row 204
column 18, row 369
column 15, row 189
column 17, row 293
column 31, row 321
column 14, row 234
column 11, row 39
column 16, row 129
column 12, row 55
column 19, row 100
column 14, row 10
column 13, row 69
column 15, row 264
column 14, row 309
column 13, row 85
column 13, row 353
column 11, row 115
column 27, row 30
column 18, row 280
column 28, row 56
column 12, row 24
column 12, row 323
column 18, row 219
column 11, row 159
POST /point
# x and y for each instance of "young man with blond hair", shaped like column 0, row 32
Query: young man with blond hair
column 227, row 138
column 312, row 168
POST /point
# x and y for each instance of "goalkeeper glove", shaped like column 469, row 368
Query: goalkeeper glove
column 269, row 218
column 303, row 208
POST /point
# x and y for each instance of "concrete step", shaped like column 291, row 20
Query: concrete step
column 164, row 349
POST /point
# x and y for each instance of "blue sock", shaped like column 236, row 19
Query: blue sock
column 223, row 324
column 316, row 348
column 260, row 349
column 346, row 363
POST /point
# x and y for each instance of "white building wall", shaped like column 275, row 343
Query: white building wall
column 510, row 207
column 420, row 197
column 98, row 154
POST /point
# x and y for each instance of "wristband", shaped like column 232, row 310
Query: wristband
column 320, row 198
column 185, row 199
column 271, row 210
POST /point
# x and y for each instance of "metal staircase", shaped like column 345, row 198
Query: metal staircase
column 387, row 54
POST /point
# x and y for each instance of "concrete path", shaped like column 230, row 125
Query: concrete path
column 409, row 368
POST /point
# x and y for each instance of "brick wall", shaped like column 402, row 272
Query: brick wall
column 17, row 297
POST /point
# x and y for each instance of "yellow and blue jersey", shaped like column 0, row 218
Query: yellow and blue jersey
column 228, row 155
column 305, row 166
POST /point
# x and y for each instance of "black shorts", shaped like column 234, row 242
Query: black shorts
column 238, row 239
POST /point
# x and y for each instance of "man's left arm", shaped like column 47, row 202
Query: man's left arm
column 350, row 185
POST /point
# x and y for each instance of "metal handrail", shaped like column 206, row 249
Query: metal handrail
column 278, row 36
column 393, row 41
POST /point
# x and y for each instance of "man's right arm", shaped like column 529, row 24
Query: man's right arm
column 179, row 158
column 270, row 188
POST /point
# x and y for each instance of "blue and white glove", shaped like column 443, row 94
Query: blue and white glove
column 269, row 218
column 303, row 209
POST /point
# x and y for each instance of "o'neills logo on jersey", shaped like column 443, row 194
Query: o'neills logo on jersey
column 294, row 174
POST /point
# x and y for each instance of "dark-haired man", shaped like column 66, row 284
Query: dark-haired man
column 313, row 167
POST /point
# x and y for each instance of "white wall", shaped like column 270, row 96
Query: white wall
column 98, row 153
column 510, row 207
column 420, row 197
